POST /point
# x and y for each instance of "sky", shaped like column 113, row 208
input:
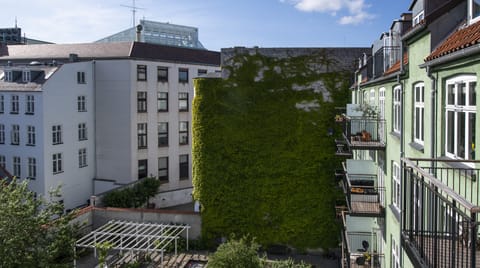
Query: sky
column 221, row 23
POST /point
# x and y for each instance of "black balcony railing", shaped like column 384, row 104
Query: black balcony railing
column 360, row 249
column 363, row 195
column 440, row 213
column 384, row 58
column 364, row 133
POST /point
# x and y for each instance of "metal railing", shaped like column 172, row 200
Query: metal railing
column 360, row 249
column 364, row 133
column 384, row 58
column 440, row 212
column 363, row 195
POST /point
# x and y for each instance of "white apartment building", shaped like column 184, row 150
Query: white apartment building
column 91, row 117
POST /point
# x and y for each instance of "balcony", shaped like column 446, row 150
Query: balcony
column 364, row 194
column 360, row 132
column 440, row 212
column 384, row 58
column 361, row 244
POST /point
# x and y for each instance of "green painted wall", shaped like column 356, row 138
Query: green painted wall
column 262, row 166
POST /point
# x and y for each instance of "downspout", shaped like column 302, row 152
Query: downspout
column 433, row 105
column 402, row 128
column 94, row 124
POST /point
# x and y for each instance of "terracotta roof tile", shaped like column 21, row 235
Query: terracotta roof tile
column 459, row 40
column 396, row 66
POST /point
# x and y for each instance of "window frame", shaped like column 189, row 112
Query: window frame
column 17, row 167
column 141, row 72
column 201, row 72
column 14, row 104
column 57, row 163
column 82, row 157
column 31, row 137
column 396, row 186
column 2, row 134
column 82, row 132
column 142, row 138
column 162, row 98
column 471, row 4
column 15, row 135
column 57, row 135
column 145, row 162
column 183, row 75
column 456, row 109
column 82, row 103
column 419, row 108
column 162, row 74
column 26, row 76
column 183, row 133
column 142, row 101
column 183, row 161
column 397, row 109
column 163, row 169
column 2, row 104
column 81, row 77
column 3, row 161
column 32, row 168
column 183, row 101
column 162, row 133
column 30, row 105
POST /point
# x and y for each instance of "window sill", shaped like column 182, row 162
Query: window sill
column 15, row 144
column 163, row 146
column 395, row 211
column 57, row 143
column 30, row 113
column 184, row 179
column 142, row 112
column 183, row 110
column 13, row 112
column 183, row 82
column 162, row 81
column 469, row 171
column 82, row 111
column 28, row 144
column 82, row 139
column 83, row 166
column 183, row 143
column 162, row 111
column 58, row 172
column 417, row 146
column 142, row 148
column 397, row 135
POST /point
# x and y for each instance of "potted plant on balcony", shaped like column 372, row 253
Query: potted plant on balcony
column 367, row 110
column 339, row 118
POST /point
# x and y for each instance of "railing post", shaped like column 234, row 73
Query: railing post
column 473, row 239
column 454, row 231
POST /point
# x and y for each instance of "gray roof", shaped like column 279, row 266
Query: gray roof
column 90, row 51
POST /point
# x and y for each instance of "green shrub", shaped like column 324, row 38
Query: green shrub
column 131, row 197
column 241, row 253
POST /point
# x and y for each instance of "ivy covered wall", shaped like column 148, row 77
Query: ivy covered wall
column 263, row 161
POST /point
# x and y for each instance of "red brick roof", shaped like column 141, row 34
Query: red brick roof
column 396, row 67
column 459, row 40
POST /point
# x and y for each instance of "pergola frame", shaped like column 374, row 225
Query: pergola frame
column 133, row 236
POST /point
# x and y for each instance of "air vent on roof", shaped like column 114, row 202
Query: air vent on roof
column 35, row 63
column 73, row 57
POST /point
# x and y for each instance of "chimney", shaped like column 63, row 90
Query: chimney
column 139, row 33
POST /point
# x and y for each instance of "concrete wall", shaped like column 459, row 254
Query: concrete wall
column 172, row 198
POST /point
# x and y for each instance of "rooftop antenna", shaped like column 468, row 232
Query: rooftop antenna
column 134, row 9
column 15, row 22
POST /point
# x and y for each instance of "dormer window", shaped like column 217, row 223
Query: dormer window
column 8, row 76
column 26, row 77
column 418, row 18
column 474, row 10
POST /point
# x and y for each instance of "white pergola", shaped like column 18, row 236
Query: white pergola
column 134, row 237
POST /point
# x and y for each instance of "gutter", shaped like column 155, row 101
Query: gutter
column 452, row 56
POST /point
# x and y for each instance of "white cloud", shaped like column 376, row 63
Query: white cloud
column 355, row 9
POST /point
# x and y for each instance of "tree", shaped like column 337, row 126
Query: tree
column 240, row 253
column 34, row 232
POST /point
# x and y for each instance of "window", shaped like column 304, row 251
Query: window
column 163, row 168
column 418, row 18
column 460, row 117
column 16, row 167
column 142, row 168
column 57, row 165
column 397, row 109
column 2, row 104
column 14, row 104
column 82, row 158
column 2, row 161
column 15, row 135
column 32, row 168
column 81, row 77
column 162, row 134
column 81, row 104
column 8, row 76
column 396, row 193
column 183, row 132
column 202, row 72
column 162, row 74
column 142, row 101
column 30, row 109
column 381, row 104
column 2, row 134
column 26, row 77
column 184, row 167
column 418, row 113
column 82, row 132
column 474, row 7
column 183, row 101
column 142, row 135
column 395, row 254
column 141, row 72
column 31, row 135
column 57, row 134
column 162, row 101
column 183, row 75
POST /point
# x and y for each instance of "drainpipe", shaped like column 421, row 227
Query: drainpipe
column 94, row 93
column 433, row 105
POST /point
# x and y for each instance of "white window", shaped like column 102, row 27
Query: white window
column 30, row 135
column 30, row 109
column 183, row 132
column 162, row 101
column 397, row 190
column 81, row 77
column 82, row 157
column 395, row 254
column 82, row 132
column 26, row 77
column 2, row 104
column 474, row 10
column 57, row 134
column 381, row 104
column 8, row 76
column 2, row 161
column 15, row 135
column 372, row 97
column 81, row 104
column 142, row 135
column 14, row 104
column 183, row 101
column 57, row 165
column 460, row 117
column 2, row 133
column 17, row 167
column 32, row 168
column 397, row 109
column 419, row 113
column 418, row 18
